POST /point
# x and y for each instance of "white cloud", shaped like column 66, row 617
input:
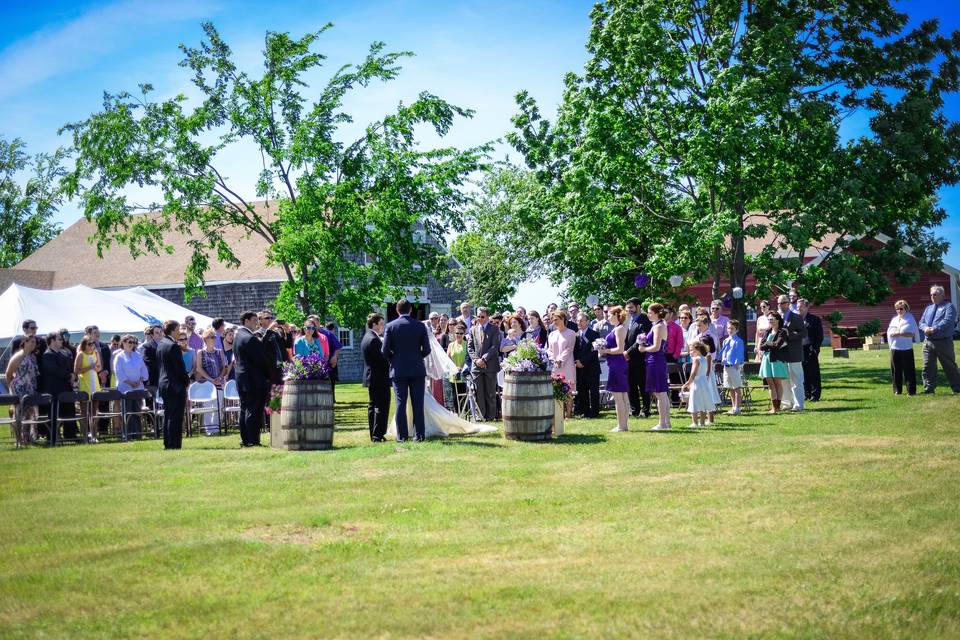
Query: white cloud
column 81, row 43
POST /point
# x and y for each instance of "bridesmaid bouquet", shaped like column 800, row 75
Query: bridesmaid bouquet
column 599, row 343
column 561, row 389
column 527, row 357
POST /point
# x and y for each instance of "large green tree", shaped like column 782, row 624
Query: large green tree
column 697, row 124
column 354, row 221
column 29, row 197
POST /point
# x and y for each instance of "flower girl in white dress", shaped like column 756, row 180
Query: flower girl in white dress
column 701, row 399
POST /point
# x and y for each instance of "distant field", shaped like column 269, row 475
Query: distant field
column 841, row 522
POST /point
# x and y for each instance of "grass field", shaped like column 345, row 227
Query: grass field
column 841, row 522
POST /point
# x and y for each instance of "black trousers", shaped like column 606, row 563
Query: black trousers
column 252, row 404
column 174, row 403
column 903, row 369
column 637, row 380
column 378, row 410
column 811, row 372
column 587, row 400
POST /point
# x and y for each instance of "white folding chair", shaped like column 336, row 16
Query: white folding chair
column 201, row 400
column 231, row 404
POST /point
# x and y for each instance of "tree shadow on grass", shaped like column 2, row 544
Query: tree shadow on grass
column 728, row 428
column 673, row 432
column 859, row 407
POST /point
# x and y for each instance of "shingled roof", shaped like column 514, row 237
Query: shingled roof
column 72, row 260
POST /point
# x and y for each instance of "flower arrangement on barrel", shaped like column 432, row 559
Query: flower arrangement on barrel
column 310, row 367
column 528, row 357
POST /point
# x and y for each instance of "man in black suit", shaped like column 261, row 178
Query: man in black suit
column 405, row 345
column 148, row 351
column 376, row 378
column 483, row 349
column 637, row 325
column 796, row 333
column 172, row 384
column 811, row 351
column 253, row 369
column 56, row 377
column 587, row 400
column 273, row 339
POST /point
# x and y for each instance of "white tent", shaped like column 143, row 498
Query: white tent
column 120, row 311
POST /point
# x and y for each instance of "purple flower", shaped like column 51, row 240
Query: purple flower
column 641, row 280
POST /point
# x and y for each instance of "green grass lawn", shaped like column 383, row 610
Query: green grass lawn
column 840, row 522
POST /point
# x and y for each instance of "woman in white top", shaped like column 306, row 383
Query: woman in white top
column 900, row 334
column 763, row 328
column 131, row 373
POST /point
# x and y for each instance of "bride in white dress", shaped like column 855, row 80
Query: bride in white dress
column 438, row 421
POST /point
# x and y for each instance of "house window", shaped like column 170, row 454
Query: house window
column 751, row 313
column 346, row 337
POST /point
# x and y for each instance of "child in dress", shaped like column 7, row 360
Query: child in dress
column 700, row 403
column 711, row 376
column 731, row 357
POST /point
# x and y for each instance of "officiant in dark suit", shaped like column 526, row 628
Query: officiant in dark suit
column 587, row 361
column 483, row 349
column 405, row 345
column 172, row 385
column 253, row 369
column 376, row 378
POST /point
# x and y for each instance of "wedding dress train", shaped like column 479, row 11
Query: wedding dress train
column 438, row 421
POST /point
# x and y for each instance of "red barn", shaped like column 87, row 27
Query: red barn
column 854, row 313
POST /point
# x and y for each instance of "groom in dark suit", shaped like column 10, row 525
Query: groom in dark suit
column 483, row 349
column 405, row 345
column 376, row 378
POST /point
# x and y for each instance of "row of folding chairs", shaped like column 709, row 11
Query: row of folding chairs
column 108, row 406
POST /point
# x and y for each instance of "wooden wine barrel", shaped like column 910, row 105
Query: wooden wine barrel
column 527, row 405
column 306, row 416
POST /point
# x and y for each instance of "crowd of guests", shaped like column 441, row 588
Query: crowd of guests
column 638, row 346
column 167, row 360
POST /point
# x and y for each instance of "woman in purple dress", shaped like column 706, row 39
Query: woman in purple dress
column 654, row 344
column 617, row 376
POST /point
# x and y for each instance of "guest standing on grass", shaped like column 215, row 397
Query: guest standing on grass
column 587, row 362
column 173, row 383
column 254, row 370
column 21, row 376
column 86, row 366
column 937, row 324
column 561, row 344
column 56, row 377
column 376, row 378
column 773, row 365
column 811, row 351
column 483, row 349
column 732, row 355
column 618, row 382
column 793, row 392
column 901, row 333
column 132, row 374
column 763, row 326
column 700, row 400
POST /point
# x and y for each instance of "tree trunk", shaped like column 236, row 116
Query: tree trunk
column 738, row 277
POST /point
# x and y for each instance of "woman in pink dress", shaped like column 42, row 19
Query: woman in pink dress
column 560, row 344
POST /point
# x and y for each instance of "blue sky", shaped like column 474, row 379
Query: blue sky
column 57, row 58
